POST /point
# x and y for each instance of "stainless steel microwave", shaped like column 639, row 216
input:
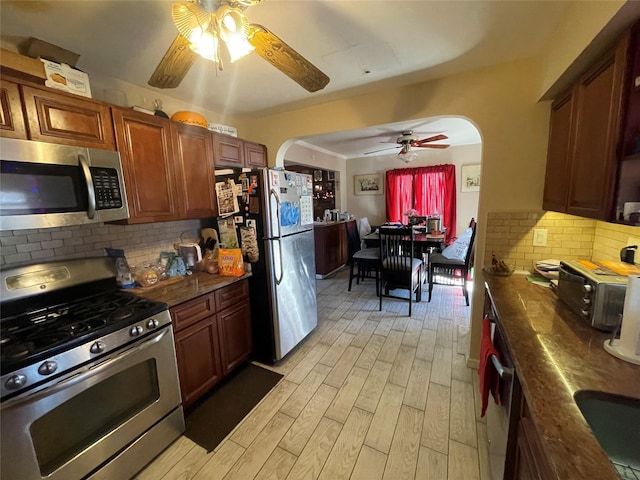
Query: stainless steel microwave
column 47, row 185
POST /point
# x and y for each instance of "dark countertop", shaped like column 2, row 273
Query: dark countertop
column 192, row 286
column 556, row 354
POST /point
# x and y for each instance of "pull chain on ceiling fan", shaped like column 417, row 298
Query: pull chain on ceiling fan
column 204, row 31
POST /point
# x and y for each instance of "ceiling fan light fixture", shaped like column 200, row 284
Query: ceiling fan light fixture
column 407, row 157
column 205, row 44
column 233, row 25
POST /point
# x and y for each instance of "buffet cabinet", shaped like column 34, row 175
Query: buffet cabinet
column 212, row 336
column 331, row 246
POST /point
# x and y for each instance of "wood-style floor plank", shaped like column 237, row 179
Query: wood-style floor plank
column 402, row 366
column 298, row 435
column 372, row 389
column 370, row 464
column 167, row 459
column 341, row 370
column 384, row 420
column 463, row 462
column 463, row 418
column 220, row 462
column 344, row 454
column 370, row 352
column 278, row 466
column 316, row 451
column 301, row 396
column 418, row 385
column 435, row 431
column 347, row 395
column 403, row 456
column 432, row 465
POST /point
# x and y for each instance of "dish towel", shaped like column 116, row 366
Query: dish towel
column 489, row 378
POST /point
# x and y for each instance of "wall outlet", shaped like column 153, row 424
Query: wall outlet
column 539, row 237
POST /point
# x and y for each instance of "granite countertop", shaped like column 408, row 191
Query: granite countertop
column 555, row 354
column 330, row 222
column 192, row 286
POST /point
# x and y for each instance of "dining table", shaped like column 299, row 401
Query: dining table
column 423, row 241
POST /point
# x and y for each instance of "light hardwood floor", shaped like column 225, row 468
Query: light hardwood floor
column 368, row 395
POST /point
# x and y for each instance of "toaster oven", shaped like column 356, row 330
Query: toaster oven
column 595, row 294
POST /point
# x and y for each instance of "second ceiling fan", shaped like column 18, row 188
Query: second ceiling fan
column 205, row 26
column 407, row 140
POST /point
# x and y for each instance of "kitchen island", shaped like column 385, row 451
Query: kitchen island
column 555, row 355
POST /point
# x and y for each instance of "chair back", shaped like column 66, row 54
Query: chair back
column 396, row 250
column 353, row 238
column 470, row 251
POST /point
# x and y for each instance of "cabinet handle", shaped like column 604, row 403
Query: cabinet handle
column 505, row 373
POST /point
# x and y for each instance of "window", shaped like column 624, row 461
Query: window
column 429, row 190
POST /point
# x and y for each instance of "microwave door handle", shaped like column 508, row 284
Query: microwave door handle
column 90, row 190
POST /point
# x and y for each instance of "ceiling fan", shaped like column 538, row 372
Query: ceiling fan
column 407, row 140
column 207, row 26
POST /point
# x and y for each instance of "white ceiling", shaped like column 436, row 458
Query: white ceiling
column 360, row 44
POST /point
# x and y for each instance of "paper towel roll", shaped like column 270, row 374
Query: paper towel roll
column 630, row 331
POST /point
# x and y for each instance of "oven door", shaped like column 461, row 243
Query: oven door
column 73, row 426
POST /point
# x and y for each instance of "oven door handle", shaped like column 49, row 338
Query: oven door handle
column 87, row 372
column 505, row 373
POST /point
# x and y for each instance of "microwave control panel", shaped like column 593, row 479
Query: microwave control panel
column 106, row 187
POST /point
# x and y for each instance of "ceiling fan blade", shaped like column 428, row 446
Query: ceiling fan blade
column 418, row 143
column 286, row 59
column 174, row 65
column 383, row 150
column 432, row 145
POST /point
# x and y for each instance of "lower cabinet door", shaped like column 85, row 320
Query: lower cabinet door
column 198, row 356
column 234, row 326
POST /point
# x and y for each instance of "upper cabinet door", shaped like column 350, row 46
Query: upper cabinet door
column 255, row 155
column 597, row 134
column 193, row 151
column 70, row 120
column 144, row 143
column 11, row 119
column 558, row 154
column 229, row 151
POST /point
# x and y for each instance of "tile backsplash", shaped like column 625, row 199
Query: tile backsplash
column 510, row 238
column 141, row 243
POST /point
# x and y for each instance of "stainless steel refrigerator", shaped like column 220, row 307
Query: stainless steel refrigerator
column 283, row 284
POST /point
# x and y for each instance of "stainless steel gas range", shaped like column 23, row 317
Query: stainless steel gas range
column 89, row 383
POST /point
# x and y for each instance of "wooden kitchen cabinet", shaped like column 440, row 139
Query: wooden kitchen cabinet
column 229, row 151
column 12, row 123
column 530, row 460
column 58, row 117
column 145, row 145
column 558, row 166
column 255, row 155
column 585, row 130
column 197, row 355
column 195, row 171
column 213, row 337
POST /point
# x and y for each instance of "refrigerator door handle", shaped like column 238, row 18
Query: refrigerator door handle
column 279, row 268
column 274, row 195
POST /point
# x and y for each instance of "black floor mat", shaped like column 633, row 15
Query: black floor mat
column 210, row 420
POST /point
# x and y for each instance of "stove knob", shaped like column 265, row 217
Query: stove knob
column 153, row 323
column 136, row 330
column 15, row 381
column 98, row 347
column 48, row 367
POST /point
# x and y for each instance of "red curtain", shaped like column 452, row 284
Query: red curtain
column 429, row 190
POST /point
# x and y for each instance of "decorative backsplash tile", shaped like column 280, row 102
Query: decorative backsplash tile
column 141, row 243
column 510, row 238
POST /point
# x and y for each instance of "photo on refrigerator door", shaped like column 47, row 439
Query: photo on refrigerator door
column 289, row 214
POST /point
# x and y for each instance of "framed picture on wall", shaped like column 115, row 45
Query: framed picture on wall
column 370, row 184
column 331, row 175
column 470, row 178
column 317, row 175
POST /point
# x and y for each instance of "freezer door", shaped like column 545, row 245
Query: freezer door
column 295, row 311
column 288, row 206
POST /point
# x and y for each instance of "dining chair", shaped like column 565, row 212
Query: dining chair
column 452, row 265
column 363, row 262
column 398, row 267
